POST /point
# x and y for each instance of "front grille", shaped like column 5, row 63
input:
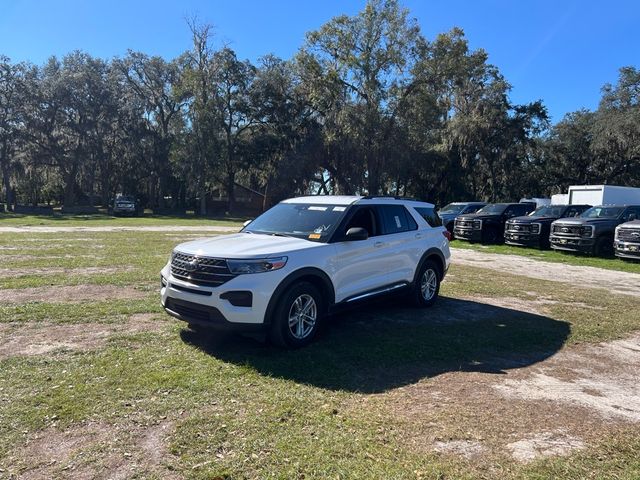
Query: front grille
column 519, row 227
column 567, row 230
column 204, row 271
column 464, row 223
column 629, row 235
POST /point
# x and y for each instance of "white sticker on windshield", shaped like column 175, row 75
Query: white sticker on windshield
column 320, row 209
column 339, row 209
column 398, row 224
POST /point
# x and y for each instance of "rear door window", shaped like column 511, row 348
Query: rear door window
column 429, row 214
column 396, row 219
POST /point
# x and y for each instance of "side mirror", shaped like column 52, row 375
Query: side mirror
column 247, row 223
column 355, row 234
column 632, row 217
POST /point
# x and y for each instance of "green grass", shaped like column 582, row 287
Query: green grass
column 568, row 258
column 240, row 409
column 97, row 220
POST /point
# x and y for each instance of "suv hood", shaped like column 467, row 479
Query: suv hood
column 245, row 245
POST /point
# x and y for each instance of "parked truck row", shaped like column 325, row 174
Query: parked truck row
column 610, row 227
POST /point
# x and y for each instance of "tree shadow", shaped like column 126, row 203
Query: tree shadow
column 381, row 346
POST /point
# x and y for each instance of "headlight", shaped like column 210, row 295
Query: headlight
column 477, row 224
column 535, row 228
column 256, row 266
column 586, row 231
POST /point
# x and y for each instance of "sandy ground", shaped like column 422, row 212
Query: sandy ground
column 547, row 409
column 164, row 229
column 584, row 277
column 70, row 293
column 28, row 339
column 12, row 272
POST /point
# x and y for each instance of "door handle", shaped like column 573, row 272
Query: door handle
column 418, row 235
column 378, row 244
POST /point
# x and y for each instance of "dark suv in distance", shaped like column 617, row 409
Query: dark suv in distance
column 125, row 205
column 593, row 231
column 450, row 212
column 627, row 241
column 533, row 230
column 487, row 224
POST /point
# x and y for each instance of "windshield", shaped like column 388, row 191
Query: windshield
column 493, row 209
column 548, row 211
column 125, row 198
column 312, row 222
column 452, row 208
column 602, row 212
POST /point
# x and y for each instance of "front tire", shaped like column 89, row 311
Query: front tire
column 604, row 247
column 490, row 236
column 427, row 285
column 297, row 317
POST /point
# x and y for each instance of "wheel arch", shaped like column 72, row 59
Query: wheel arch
column 313, row 275
column 435, row 255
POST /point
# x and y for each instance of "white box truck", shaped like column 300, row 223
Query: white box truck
column 603, row 195
column 560, row 199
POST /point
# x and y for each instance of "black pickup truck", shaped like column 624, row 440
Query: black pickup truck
column 627, row 241
column 593, row 231
column 487, row 224
column 533, row 230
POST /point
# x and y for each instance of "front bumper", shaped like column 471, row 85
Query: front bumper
column 627, row 250
column 468, row 234
column 522, row 239
column 124, row 211
column 572, row 244
column 222, row 307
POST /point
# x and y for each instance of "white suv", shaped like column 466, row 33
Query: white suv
column 304, row 258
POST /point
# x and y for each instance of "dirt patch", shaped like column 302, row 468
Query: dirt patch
column 21, row 272
column 29, row 340
column 551, row 408
column 94, row 451
column 545, row 444
column 582, row 277
column 159, row 228
column 72, row 293
column 461, row 448
column 602, row 378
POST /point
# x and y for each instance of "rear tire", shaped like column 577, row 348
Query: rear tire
column 297, row 317
column 427, row 285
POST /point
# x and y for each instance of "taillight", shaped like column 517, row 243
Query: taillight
column 447, row 235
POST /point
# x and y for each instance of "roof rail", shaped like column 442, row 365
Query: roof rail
column 394, row 197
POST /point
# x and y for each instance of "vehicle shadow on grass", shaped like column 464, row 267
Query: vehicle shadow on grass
column 382, row 346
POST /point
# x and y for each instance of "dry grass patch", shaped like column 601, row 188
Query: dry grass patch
column 23, row 339
column 553, row 408
column 80, row 271
column 95, row 450
column 71, row 293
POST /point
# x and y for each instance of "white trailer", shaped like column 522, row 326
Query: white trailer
column 540, row 202
column 603, row 195
column 560, row 199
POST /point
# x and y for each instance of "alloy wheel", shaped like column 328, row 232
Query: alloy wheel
column 303, row 315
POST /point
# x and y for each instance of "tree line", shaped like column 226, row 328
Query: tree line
column 367, row 105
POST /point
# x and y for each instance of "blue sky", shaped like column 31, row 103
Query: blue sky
column 559, row 51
